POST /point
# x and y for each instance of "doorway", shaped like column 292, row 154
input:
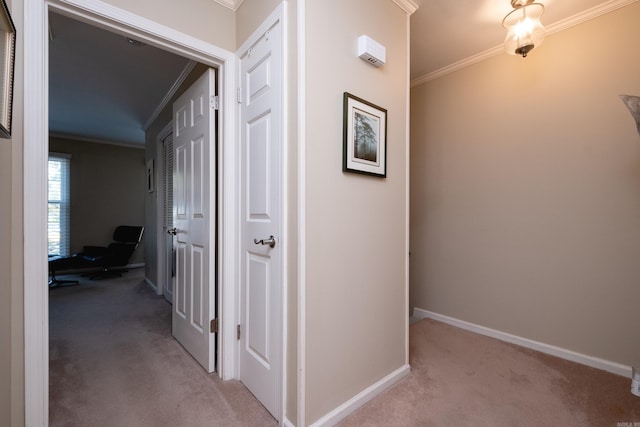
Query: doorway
column 35, row 153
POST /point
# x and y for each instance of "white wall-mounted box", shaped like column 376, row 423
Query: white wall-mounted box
column 371, row 51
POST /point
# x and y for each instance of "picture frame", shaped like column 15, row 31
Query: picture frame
column 7, row 67
column 150, row 176
column 365, row 137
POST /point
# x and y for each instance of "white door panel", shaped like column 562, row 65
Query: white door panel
column 261, row 269
column 194, row 293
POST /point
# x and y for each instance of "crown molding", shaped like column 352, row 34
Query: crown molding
column 408, row 6
column 231, row 4
column 587, row 15
column 458, row 65
column 556, row 27
column 172, row 91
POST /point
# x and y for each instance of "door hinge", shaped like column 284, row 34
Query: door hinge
column 238, row 332
column 239, row 96
column 215, row 102
column 214, row 326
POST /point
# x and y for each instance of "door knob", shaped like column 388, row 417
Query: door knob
column 173, row 231
column 271, row 241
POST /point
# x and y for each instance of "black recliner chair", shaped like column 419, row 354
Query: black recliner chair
column 112, row 258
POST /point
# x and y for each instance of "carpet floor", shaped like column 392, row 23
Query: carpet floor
column 459, row 378
column 114, row 363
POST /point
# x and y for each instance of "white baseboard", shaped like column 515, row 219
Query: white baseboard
column 350, row 406
column 288, row 423
column 594, row 362
column 151, row 284
column 138, row 265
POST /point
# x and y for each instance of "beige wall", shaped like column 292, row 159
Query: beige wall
column 250, row 15
column 11, row 249
column 107, row 188
column 525, row 203
column 203, row 19
column 5, row 281
column 355, row 253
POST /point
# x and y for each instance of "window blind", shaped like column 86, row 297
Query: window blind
column 58, row 212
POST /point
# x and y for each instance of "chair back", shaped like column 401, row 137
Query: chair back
column 128, row 234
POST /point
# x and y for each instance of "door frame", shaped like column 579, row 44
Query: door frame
column 35, row 138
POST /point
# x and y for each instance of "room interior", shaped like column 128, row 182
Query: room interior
column 523, row 177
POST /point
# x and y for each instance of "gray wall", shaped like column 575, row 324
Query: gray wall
column 107, row 189
column 525, row 202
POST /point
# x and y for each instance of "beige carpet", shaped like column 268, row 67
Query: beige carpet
column 460, row 378
column 113, row 362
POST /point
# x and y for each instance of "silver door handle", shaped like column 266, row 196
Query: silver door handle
column 173, row 231
column 271, row 241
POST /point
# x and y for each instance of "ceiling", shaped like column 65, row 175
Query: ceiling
column 103, row 88
column 446, row 32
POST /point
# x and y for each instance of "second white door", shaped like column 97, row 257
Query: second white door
column 194, row 296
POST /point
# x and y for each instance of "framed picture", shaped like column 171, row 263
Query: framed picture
column 7, row 56
column 365, row 137
column 150, row 176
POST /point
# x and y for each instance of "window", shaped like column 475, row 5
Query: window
column 58, row 210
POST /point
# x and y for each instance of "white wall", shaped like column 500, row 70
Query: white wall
column 525, row 202
column 355, row 252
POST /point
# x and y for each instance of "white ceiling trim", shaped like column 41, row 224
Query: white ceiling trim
column 172, row 91
column 407, row 5
column 463, row 63
column 571, row 21
column 588, row 14
column 231, row 4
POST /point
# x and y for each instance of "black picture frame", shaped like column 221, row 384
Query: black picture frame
column 7, row 67
column 365, row 137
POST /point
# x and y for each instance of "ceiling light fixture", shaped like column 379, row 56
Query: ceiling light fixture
column 524, row 29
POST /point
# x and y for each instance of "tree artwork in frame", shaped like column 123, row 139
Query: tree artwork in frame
column 365, row 137
column 7, row 57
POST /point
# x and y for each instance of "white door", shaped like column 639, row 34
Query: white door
column 167, row 220
column 194, row 297
column 261, row 207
